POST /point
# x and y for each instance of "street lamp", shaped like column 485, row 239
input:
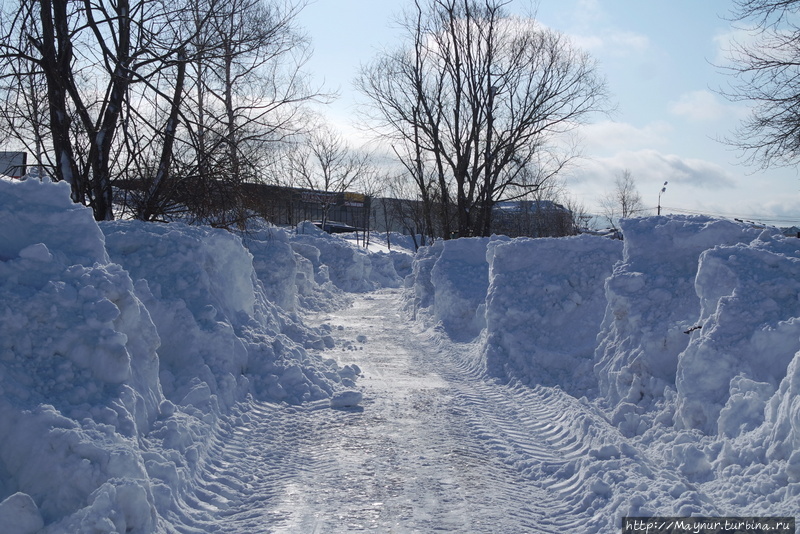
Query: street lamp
column 663, row 189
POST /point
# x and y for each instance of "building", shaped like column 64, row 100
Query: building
column 532, row 218
column 14, row 164
column 286, row 206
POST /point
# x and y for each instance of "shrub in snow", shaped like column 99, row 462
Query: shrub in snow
column 544, row 307
column 651, row 303
column 750, row 318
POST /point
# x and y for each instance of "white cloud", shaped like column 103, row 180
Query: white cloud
column 628, row 42
column 611, row 137
column 612, row 42
column 588, row 13
column 650, row 169
column 592, row 32
column 705, row 106
column 700, row 106
column 728, row 43
column 656, row 167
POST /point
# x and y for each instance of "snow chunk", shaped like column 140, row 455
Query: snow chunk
column 420, row 292
column 544, row 308
column 349, row 267
column 652, row 302
column 781, row 429
column 217, row 325
column 19, row 514
column 38, row 252
column 275, row 264
column 460, row 279
column 34, row 212
column 346, row 399
column 750, row 317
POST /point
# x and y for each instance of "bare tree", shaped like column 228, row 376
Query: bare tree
column 89, row 54
column 480, row 97
column 624, row 201
column 119, row 79
column 23, row 92
column 245, row 92
column 411, row 213
column 765, row 72
column 326, row 165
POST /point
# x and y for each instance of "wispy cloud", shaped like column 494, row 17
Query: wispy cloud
column 608, row 136
column 593, row 33
column 651, row 168
column 700, row 106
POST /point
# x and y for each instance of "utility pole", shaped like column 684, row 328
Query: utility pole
column 663, row 189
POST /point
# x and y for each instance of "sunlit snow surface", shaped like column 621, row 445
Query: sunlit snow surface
column 167, row 378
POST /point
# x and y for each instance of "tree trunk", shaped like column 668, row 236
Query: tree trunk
column 56, row 51
column 153, row 202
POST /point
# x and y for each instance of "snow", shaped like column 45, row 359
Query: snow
column 686, row 338
column 124, row 333
column 652, row 301
column 153, row 376
column 544, row 307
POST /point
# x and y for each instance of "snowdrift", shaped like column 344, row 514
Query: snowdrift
column 124, row 345
column 348, row 268
column 126, row 348
column 686, row 336
column 544, row 307
column 538, row 303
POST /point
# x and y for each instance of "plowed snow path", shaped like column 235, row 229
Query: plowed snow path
column 434, row 447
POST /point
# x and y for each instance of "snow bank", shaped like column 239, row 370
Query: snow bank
column 123, row 346
column 404, row 243
column 78, row 366
column 538, row 302
column 275, row 264
column 418, row 286
column 448, row 285
column 460, row 278
column 221, row 337
column 349, row 268
column 690, row 333
column 544, row 306
column 750, row 332
column 80, row 242
column 651, row 303
column 781, row 427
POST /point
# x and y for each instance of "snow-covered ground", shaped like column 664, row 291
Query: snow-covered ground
column 168, row 378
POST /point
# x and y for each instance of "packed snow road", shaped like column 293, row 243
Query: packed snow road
column 434, row 446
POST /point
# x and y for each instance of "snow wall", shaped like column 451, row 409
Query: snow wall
column 535, row 305
column 125, row 345
column 693, row 324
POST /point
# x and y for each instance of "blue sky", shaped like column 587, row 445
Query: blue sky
column 659, row 59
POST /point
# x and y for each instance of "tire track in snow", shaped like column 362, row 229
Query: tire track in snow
column 435, row 447
column 245, row 465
